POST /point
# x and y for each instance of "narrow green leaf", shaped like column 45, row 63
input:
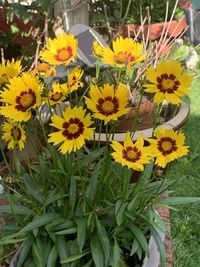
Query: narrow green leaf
column 67, row 231
column 177, row 200
column 103, row 237
column 97, row 251
column 74, row 257
column 135, row 246
column 62, row 249
column 140, row 238
column 92, row 186
column 119, row 211
column 117, row 254
column 19, row 210
column 72, row 193
column 160, row 246
column 37, row 250
column 81, row 232
column 51, row 261
column 11, row 241
column 25, row 248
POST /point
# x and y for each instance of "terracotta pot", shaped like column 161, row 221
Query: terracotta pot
column 173, row 28
column 174, row 123
column 145, row 117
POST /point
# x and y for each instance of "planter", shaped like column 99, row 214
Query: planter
column 175, row 123
column 173, row 29
column 145, row 117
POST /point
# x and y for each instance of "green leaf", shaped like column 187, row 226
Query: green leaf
column 81, row 232
column 72, row 193
column 117, row 254
column 10, row 241
column 14, row 29
column 18, row 210
column 62, row 249
column 92, row 186
column 37, row 250
column 177, row 200
column 67, row 231
column 140, row 238
column 135, row 246
column 160, row 246
column 91, row 156
column 74, row 257
column 119, row 211
column 25, row 248
column 103, row 237
column 51, row 261
column 97, row 251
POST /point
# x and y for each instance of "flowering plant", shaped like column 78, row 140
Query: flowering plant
column 77, row 202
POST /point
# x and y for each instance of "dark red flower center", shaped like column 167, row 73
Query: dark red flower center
column 63, row 54
column 16, row 133
column 167, row 145
column 25, row 100
column 56, row 96
column 73, row 128
column 108, row 105
column 131, row 154
column 167, row 83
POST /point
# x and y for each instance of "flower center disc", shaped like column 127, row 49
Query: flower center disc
column 73, row 128
column 64, row 54
column 131, row 154
column 26, row 100
column 124, row 58
column 56, row 96
column 167, row 145
column 167, row 84
column 108, row 106
column 16, row 133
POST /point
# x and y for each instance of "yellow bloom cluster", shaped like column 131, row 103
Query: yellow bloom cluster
column 23, row 95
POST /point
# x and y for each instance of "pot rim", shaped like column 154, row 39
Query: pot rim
column 175, row 123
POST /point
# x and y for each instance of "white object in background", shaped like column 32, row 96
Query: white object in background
column 191, row 59
column 1, row 186
column 72, row 12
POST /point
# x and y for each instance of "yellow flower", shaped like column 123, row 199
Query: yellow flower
column 133, row 155
column 21, row 96
column 60, row 50
column 168, row 146
column 73, row 129
column 168, row 81
column 73, row 80
column 97, row 49
column 56, row 96
column 9, row 69
column 44, row 70
column 14, row 135
column 106, row 104
column 125, row 53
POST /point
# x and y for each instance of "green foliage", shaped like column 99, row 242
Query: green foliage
column 119, row 11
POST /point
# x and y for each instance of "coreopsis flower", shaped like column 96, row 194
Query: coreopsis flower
column 97, row 49
column 60, row 50
column 168, row 81
column 14, row 135
column 44, row 70
column 132, row 155
column 21, row 96
column 106, row 103
column 56, row 96
column 9, row 69
column 73, row 80
column 125, row 53
column 73, row 129
column 168, row 146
